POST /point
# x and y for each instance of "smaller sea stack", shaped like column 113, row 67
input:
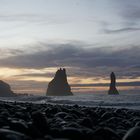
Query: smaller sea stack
column 112, row 89
column 5, row 90
column 59, row 85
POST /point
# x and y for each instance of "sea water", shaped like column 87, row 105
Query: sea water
column 128, row 100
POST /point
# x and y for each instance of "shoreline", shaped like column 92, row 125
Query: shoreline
column 92, row 104
column 50, row 122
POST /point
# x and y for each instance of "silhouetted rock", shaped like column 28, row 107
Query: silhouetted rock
column 59, row 85
column 5, row 90
column 113, row 89
column 132, row 134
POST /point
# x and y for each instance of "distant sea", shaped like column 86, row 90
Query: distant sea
column 125, row 100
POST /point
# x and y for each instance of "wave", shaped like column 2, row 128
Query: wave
column 101, row 100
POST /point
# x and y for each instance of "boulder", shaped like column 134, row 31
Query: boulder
column 132, row 134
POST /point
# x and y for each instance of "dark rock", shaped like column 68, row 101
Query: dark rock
column 59, row 85
column 87, row 134
column 21, row 115
column 73, row 124
column 12, row 135
column 40, row 121
column 113, row 89
column 106, row 115
column 126, row 123
column 105, row 134
column 19, row 126
column 57, row 122
column 87, row 122
column 132, row 134
column 76, row 113
column 5, row 90
column 33, row 131
column 121, row 132
column 71, row 133
column 137, row 124
column 47, row 137
column 62, row 139
column 5, row 113
column 69, row 118
column 113, row 122
column 51, row 111
column 61, row 114
column 135, row 120
column 55, row 132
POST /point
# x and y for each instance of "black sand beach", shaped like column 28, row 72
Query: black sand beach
column 28, row 121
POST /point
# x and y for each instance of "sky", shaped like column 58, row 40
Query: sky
column 90, row 38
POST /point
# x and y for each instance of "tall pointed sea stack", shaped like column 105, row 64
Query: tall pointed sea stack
column 113, row 89
column 59, row 85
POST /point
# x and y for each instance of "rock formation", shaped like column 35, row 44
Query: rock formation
column 5, row 90
column 59, row 85
column 113, row 89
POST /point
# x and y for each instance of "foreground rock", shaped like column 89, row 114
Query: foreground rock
column 59, row 85
column 133, row 134
column 6, row 134
column 5, row 90
column 113, row 90
column 28, row 121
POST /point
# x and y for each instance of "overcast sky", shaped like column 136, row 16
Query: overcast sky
column 90, row 38
column 102, row 22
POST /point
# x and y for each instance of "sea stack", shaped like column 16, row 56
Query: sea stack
column 5, row 90
column 59, row 85
column 113, row 89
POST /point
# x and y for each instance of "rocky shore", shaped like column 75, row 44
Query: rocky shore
column 28, row 121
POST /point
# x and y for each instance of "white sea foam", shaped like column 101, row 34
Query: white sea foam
column 103, row 100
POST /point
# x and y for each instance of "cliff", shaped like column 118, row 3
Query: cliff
column 5, row 90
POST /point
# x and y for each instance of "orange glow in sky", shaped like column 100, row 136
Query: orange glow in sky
column 17, row 76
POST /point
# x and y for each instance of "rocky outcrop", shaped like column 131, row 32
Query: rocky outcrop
column 5, row 90
column 59, row 85
column 113, row 89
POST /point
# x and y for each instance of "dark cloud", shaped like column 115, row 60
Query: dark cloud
column 82, row 60
column 121, row 30
column 129, row 11
column 10, row 52
column 136, row 84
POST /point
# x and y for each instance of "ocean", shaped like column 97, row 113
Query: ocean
column 128, row 100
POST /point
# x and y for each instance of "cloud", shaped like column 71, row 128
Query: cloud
column 6, row 52
column 33, row 18
column 47, row 74
column 136, row 84
column 121, row 30
column 128, row 17
column 130, row 9
column 80, row 60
